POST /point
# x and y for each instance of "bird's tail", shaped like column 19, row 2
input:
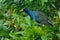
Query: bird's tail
column 50, row 23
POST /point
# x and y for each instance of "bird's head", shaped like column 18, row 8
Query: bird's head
column 24, row 10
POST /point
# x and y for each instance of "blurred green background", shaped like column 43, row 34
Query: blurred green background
column 15, row 25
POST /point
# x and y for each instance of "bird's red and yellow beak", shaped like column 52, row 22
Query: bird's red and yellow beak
column 21, row 10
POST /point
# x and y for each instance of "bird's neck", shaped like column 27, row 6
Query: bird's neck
column 30, row 13
column 27, row 11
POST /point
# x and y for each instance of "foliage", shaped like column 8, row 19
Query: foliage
column 15, row 25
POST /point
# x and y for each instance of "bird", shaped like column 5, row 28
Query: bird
column 38, row 16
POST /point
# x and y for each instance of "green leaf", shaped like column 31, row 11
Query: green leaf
column 4, row 33
column 43, row 2
column 58, row 35
column 14, row 36
column 59, row 13
column 44, row 38
column 28, row 20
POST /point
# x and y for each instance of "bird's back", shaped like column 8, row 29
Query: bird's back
column 40, row 17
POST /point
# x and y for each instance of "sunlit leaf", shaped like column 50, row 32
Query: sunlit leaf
column 59, row 13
